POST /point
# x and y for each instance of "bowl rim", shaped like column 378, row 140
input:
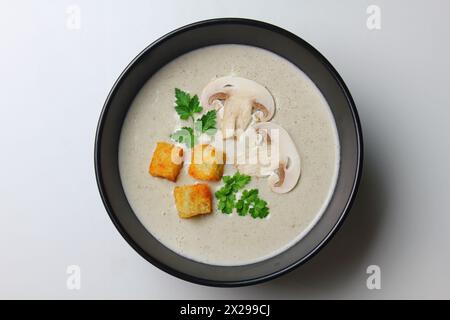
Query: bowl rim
column 359, row 142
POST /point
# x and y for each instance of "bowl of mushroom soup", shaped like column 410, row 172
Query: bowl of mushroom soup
column 228, row 152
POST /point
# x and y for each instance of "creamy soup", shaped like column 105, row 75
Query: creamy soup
column 218, row 238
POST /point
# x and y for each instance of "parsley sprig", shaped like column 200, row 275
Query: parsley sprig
column 249, row 202
column 185, row 135
column 227, row 194
column 207, row 123
column 187, row 106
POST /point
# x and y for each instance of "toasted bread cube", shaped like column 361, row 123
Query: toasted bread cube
column 206, row 163
column 193, row 200
column 167, row 161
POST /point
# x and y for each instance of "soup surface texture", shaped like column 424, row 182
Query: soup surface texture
column 219, row 238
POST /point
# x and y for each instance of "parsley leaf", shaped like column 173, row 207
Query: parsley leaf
column 250, row 203
column 184, row 135
column 185, row 105
column 228, row 204
column 207, row 123
column 240, row 181
column 227, row 194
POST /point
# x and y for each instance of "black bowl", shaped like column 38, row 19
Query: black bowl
column 169, row 47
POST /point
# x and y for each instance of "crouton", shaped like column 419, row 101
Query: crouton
column 167, row 161
column 193, row 200
column 206, row 163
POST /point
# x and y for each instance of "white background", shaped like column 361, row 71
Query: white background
column 54, row 80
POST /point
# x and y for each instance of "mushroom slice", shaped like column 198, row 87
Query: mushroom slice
column 261, row 112
column 285, row 177
column 241, row 98
column 221, row 96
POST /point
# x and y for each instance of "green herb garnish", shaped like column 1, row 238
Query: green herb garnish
column 207, row 123
column 227, row 194
column 186, row 107
column 249, row 202
column 226, row 203
column 185, row 135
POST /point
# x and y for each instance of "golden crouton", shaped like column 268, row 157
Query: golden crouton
column 193, row 200
column 167, row 161
column 206, row 163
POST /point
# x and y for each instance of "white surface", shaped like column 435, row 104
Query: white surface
column 53, row 83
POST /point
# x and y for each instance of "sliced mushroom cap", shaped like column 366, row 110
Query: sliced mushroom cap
column 241, row 98
column 286, row 176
